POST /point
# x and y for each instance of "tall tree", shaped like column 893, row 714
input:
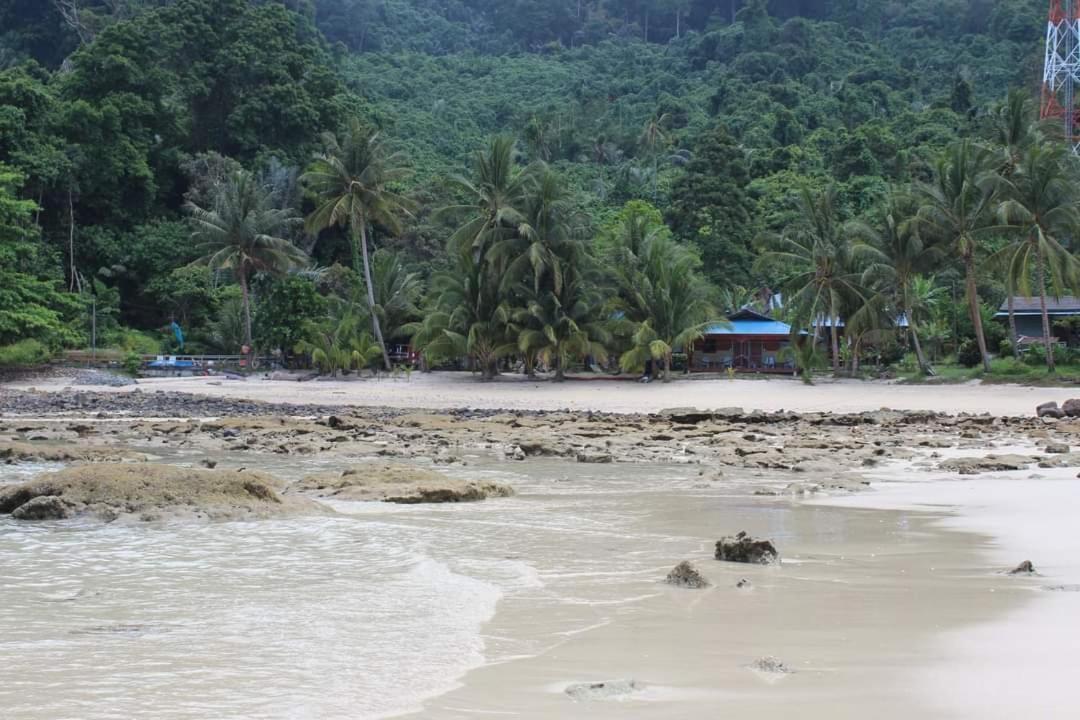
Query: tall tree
column 956, row 207
column 242, row 232
column 353, row 180
column 711, row 209
column 894, row 256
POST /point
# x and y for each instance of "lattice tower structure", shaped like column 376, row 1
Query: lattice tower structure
column 1061, row 69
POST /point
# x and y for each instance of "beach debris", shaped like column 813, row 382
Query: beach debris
column 1024, row 568
column 1071, row 408
column 516, row 453
column 685, row 575
column 208, row 463
column 607, row 690
column 989, row 463
column 744, row 549
column 1050, row 410
column 744, row 584
column 1061, row 588
column 1056, row 448
column 771, row 665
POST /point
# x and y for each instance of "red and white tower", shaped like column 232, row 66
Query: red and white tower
column 1061, row 70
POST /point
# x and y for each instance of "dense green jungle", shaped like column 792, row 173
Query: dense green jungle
column 529, row 183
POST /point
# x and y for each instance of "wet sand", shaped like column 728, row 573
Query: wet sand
column 461, row 390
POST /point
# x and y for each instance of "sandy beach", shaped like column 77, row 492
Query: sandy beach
column 892, row 600
column 443, row 391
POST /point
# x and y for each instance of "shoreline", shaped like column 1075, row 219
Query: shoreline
column 451, row 391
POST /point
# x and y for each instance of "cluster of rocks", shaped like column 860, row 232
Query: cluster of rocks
column 101, row 378
column 1069, row 409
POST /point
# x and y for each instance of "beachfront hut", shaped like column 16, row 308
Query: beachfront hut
column 1028, row 314
column 748, row 342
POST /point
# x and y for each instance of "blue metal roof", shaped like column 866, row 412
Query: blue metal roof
column 750, row 327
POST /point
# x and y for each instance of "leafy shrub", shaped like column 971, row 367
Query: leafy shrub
column 1035, row 356
column 1005, row 348
column 968, row 355
column 132, row 363
column 24, row 353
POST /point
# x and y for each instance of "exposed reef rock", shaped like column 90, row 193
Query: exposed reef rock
column 611, row 689
column 15, row 451
column 398, row 483
column 685, row 575
column 150, row 492
column 744, row 549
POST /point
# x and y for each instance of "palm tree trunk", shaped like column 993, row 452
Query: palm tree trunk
column 1040, row 268
column 835, row 337
column 973, row 308
column 371, row 292
column 667, row 367
column 560, row 368
column 245, row 297
column 920, row 356
column 1013, row 336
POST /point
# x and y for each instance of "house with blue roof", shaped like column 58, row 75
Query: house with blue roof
column 748, row 342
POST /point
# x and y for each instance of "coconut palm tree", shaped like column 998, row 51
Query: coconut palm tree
column 352, row 181
column 495, row 199
column 563, row 325
column 398, row 291
column 664, row 297
column 956, row 207
column 242, row 233
column 817, row 268
column 1040, row 205
column 1015, row 130
column 893, row 255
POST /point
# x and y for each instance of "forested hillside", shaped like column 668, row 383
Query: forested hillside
column 128, row 126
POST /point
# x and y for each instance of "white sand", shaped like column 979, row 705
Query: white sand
column 461, row 390
column 1025, row 664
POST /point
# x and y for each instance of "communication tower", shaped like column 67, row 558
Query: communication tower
column 1061, row 70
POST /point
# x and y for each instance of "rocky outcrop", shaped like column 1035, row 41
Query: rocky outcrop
column 398, row 483
column 1071, row 408
column 1050, row 410
column 685, row 575
column 593, row 458
column 988, row 463
column 744, row 549
column 1056, row 448
column 151, row 492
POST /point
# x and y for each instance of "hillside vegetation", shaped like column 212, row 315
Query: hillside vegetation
column 151, row 150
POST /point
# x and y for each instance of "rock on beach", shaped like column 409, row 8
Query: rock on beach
column 744, row 549
column 398, row 483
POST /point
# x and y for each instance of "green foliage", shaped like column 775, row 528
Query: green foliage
column 25, row 353
column 284, row 308
column 31, row 305
column 968, row 354
column 132, row 363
